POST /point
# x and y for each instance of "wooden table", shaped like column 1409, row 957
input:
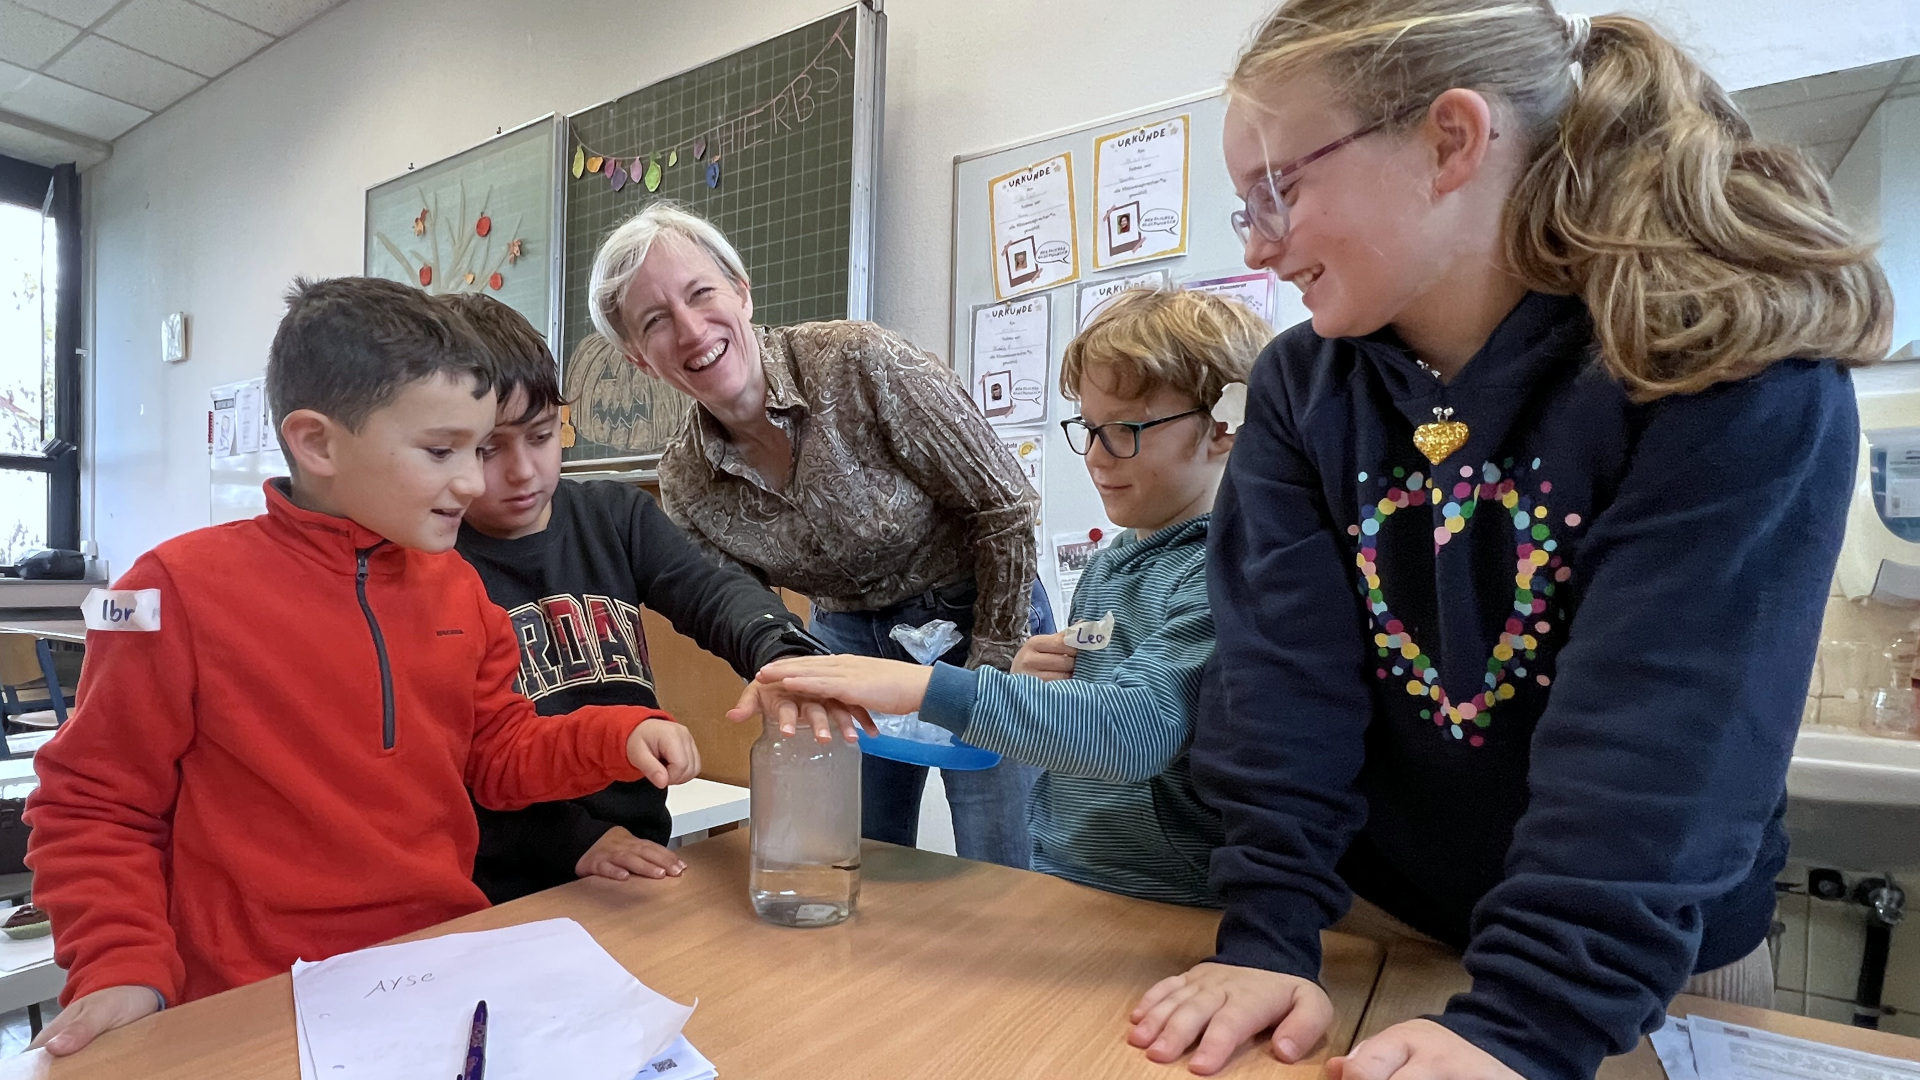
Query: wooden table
column 1418, row 978
column 951, row 968
column 69, row 630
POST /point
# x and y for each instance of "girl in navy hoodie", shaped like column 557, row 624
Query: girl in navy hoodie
column 1520, row 559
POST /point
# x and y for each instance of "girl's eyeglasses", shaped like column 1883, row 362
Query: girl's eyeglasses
column 1265, row 212
column 1121, row 438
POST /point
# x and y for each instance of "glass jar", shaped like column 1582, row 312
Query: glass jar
column 805, row 865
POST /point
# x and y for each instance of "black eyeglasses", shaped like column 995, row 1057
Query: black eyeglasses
column 1266, row 206
column 1080, row 434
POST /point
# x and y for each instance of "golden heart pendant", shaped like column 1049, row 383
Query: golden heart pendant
column 1440, row 438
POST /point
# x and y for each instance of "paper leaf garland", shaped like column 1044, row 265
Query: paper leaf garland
column 579, row 161
column 594, row 163
column 699, row 149
column 713, row 174
column 653, row 175
column 619, row 177
column 673, row 158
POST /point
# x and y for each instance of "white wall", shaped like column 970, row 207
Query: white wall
column 1899, row 123
column 213, row 206
column 1877, row 188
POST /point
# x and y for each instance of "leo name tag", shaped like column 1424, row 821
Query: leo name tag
column 122, row 609
column 1091, row 636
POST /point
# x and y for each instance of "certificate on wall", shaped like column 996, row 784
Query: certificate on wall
column 1256, row 290
column 1028, row 451
column 1010, row 346
column 1035, row 239
column 1095, row 294
column 1140, row 193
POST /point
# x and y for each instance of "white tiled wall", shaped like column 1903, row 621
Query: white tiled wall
column 1817, row 963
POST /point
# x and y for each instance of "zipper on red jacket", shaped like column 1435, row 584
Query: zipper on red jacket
column 379, row 647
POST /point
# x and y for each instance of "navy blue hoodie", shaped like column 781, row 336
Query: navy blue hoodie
column 1536, row 701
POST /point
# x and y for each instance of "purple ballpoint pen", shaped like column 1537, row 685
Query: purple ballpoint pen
column 476, row 1067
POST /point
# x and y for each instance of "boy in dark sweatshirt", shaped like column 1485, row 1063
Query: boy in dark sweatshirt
column 573, row 563
column 272, row 756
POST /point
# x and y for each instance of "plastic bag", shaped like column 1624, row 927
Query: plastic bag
column 925, row 644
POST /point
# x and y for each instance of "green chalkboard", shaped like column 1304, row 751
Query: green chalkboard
column 775, row 144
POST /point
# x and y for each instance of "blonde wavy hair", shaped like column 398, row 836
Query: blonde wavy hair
column 1146, row 338
column 1702, row 254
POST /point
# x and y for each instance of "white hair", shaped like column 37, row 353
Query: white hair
column 620, row 257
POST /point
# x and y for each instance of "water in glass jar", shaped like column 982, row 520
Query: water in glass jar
column 805, row 865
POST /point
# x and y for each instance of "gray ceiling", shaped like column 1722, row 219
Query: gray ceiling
column 77, row 74
column 1824, row 114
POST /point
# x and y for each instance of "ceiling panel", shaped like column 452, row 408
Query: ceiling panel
column 54, row 102
column 40, row 149
column 276, row 17
column 118, row 72
column 1873, row 77
column 29, row 38
column 183, row 34
column 77, row 12
column 11, row 76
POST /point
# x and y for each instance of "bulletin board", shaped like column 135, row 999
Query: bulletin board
column 776, row 144
column 1206, row 251
column 480, row 221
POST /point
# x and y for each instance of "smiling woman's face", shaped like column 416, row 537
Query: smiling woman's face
column 691, row 326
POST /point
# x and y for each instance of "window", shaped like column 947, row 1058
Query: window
column 39, row 366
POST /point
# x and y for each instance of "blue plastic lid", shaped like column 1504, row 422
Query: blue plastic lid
column 959, row 757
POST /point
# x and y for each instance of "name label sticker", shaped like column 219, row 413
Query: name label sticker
column 1091, row 636
column 123, row 609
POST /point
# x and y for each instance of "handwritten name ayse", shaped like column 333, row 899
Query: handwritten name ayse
column 388, row 986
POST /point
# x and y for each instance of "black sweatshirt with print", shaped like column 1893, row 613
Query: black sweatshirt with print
column 574, row 591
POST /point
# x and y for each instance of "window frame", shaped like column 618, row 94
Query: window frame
column 55, row 192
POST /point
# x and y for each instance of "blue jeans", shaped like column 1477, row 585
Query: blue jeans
column 989, row 805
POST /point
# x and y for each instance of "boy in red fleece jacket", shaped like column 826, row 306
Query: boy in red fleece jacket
column 272, row 761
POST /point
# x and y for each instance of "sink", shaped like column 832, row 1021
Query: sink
column 1853, row 800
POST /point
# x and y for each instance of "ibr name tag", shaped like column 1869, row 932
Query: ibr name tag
column 122, row 609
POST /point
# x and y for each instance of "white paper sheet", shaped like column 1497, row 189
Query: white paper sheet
column 1010, row 347
column 1071, row 552
column 678, row 1062
column 32, row 1065
column 1723, row 1051
column 246, row 408
column 1029, row 451
column 1702, row 1048
column 1095, row 294
column 1256, row 290
column 1140, row 193
column 557, row 1003
column 1674, row 1047
column 1035, row 242
column 225, row 433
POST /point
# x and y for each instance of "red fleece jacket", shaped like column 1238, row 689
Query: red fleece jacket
column 281, row 769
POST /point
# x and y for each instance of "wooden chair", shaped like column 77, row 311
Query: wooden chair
column 26, row 668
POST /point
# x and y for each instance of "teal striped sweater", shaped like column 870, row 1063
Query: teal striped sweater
column 1115, row 808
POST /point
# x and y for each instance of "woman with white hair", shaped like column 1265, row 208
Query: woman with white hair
column 837, row 460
